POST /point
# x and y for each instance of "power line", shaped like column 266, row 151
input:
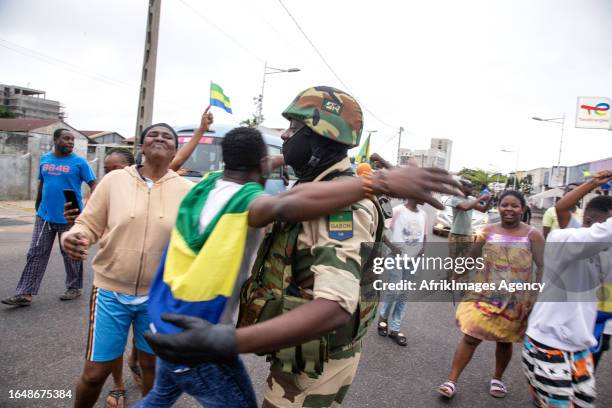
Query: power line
column 328, row 65
column 19, row 49
column 313, row 46
column 60, row 63
column 226, row 34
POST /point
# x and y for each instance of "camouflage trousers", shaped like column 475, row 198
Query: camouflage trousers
column 285, row 390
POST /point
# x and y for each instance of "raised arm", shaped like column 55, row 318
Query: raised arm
column 313, row 200
column 475, row 204
column 182, row 155
column 565, row 205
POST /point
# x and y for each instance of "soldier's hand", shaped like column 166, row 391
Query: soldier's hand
column 200, row 342
column 377, row 159
column 417, row 183
column 70, row 214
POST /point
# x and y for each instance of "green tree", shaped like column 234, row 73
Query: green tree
column 5, row 113
column 251, row 122
column 479, row 177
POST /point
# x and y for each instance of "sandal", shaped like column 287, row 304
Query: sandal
column 447, row 389
column 399, row 338
column 497, row 389
column 136, row 373
column 382, row 328
column 115, row 399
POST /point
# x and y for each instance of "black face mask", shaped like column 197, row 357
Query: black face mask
column 297, row 150
column 310, row 154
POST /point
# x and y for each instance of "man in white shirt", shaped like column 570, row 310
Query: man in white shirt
column 407, row 235
column 556, row 357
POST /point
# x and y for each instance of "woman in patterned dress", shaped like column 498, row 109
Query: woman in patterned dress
column 510, row 248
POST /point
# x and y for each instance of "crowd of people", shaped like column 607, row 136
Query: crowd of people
column 208, row 271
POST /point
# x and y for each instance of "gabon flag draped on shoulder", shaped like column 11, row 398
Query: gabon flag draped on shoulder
column 198, row 272
column 219, row 99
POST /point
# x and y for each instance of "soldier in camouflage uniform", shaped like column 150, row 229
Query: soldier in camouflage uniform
column 302, row 306
column 325, row 122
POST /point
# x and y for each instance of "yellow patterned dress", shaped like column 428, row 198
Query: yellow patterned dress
column 499, row 315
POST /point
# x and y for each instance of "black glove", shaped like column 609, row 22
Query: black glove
column 201, row 342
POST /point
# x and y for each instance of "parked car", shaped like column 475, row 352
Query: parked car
column 444, row 220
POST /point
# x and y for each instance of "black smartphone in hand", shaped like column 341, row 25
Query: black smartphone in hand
column 71, row 197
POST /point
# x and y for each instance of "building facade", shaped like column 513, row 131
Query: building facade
column 14, row 135
column 438, row 155
column 29, row 103
column 103, row 137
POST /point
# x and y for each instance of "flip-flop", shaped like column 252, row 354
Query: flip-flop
column 136, row 373
column 383, row 328
column 399, row 338
column 115, row 399
column 447, row 389
column 497, row 389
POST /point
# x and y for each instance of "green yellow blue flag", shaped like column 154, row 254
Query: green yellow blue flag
column 219, row 99
column 364, row 152
column 198, row 273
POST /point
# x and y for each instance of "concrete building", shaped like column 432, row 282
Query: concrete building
column 438, row 154
column 29, row 103
column 542, row 180
column 14, row 135
column 22, row 143
column 103, row 137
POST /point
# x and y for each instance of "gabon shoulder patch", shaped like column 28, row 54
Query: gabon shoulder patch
column 340, row 225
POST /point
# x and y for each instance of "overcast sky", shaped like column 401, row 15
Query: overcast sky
column 471, row 71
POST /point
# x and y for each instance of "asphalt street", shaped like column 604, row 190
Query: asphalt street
column 42, row 347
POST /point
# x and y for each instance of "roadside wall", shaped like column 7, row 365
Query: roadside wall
column 15, row 177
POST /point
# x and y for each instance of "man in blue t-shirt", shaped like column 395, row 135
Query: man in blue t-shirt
column 59, row 170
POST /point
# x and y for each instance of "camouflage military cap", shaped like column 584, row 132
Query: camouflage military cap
column 329, row 112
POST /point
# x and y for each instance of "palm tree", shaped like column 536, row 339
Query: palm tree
column 481, row 177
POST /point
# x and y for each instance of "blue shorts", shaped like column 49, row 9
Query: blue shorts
column 109, row 325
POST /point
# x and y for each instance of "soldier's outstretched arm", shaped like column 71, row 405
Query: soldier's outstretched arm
column 309, row 321
column 202, row 342
column 312, row 200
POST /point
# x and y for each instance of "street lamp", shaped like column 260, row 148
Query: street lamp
column 268, row 71
column 496, row 171
column 515, row 181
column 562, row 123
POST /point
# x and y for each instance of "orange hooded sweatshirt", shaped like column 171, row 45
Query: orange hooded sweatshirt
column 133, row 224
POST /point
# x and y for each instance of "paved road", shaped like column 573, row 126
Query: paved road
column 42, row 347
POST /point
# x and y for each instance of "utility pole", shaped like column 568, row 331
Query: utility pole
column 399, row 144
column 561, row 141
column 147, row 80
column 259, row 113
column 268, row 70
